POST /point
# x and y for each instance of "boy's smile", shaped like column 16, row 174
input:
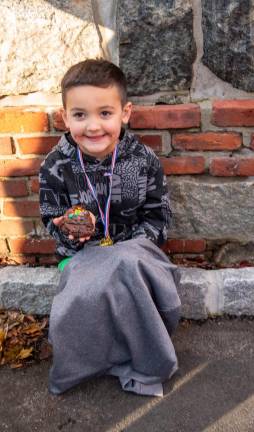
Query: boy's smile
column 94, row 116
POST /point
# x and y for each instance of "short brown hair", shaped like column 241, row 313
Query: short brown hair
column 94, row 72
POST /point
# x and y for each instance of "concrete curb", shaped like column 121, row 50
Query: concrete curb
column 203, row 293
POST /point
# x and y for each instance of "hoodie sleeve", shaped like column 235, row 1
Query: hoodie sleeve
column 54, row 201
column 155, row 215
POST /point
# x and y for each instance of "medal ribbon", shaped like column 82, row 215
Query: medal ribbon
column 105, row 215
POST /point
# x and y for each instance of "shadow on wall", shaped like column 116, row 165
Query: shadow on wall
column 104, row 14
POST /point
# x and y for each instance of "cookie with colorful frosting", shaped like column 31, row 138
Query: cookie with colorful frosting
column 77, row 222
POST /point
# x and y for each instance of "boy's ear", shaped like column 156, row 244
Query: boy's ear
column 64, row 117
column 126, row 112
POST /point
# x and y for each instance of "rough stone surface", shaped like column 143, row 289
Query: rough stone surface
column 212, row 208
column 234, row 253
column 238, row 291
column 156, row 33
column 203, row 293
column 205, row 84
column 28, row 289
column 228, row 41
column 192, row 287
column 39, row 40
column 215, row 292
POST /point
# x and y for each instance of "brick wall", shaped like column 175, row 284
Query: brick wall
column 191, row 140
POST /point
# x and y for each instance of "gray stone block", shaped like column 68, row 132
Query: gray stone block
column 199, row 291
column 228, row 38
column 191, row 287
column 238, row 291
column 214, row 208
column 28, row 289
column 157, row 47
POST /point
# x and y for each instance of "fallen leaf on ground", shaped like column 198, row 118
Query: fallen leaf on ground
column 24, row 353
column 23, row 339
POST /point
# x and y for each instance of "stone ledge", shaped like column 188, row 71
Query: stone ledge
column 203, row 293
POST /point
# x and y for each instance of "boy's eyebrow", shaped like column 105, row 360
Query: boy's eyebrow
column 107, row 107
column 77, row 109
column 100, row 108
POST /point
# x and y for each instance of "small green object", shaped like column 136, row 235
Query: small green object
column 63, row 263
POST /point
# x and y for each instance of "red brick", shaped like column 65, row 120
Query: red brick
column 21, row 208
column 174, row 245
column 37, row 145
column 32, row 246
column 227, row 167
column 34, row 185
column 9, row 227
column 183, row 165
column 233, row 112
column 185, row 246
column 6, row 146
column 153, row 141
column 22, row 259
column 165, row 117
column 194, row 246
column 58, row 122
column 21, row 121
column 48, row 260
column 207, row 141
column 13, row 188
column 19, row 167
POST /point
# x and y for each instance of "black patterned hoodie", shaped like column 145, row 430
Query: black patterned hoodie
column 139, row 200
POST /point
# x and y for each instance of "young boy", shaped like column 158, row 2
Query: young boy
column 116, row 305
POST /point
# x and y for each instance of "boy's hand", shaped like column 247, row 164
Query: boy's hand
column 58, row 221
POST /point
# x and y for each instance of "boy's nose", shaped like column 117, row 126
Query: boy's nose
column 92, row 125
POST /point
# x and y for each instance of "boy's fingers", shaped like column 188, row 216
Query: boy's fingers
column 57, row 220
column 82, row 239
column 93, row 217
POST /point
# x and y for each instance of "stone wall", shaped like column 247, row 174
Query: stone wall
column 189, row 66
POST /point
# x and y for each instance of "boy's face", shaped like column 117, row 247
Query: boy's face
column 94, row 116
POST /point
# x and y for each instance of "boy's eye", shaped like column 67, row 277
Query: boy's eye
column 79, row 115
column 105, row 113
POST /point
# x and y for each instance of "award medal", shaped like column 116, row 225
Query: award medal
column 106, row 241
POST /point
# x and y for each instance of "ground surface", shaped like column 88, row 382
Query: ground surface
column 213, row 391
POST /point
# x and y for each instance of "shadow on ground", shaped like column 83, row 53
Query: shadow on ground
column 212, row 391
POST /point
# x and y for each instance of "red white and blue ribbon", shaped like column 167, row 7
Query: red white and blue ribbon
column 105, row 215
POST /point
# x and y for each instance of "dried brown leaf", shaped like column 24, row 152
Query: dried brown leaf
column 30, row 318
column 44, row 323
column 2, row 336
column 24, row 353
column 32, row 328
column 22, row 338
column 13, row 324
column 15, row 316
column 16, row 365
column 11, row 354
